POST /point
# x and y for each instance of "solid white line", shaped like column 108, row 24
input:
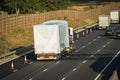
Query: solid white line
column 84, row 61
column 96, row 78
column 63, row 78
column 45, row 70
column 74, row 69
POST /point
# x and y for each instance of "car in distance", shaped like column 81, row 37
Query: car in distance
column 117, row 34
column 109, row 32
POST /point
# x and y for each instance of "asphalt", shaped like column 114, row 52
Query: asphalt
column 91, row 55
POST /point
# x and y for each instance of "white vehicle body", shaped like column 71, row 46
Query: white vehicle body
column 104, row 21
column 115, row 16
column 50, row 39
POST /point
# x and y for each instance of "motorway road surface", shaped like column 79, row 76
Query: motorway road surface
column 91, row 55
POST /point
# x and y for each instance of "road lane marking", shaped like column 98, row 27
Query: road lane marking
column 97, row 77
column 108, row 42
column 30, row 79
column 104, row 46
column 98, row 50
column 84, row 61
column 74, row 69
column 30, row 62
column 91, row 55
column 68, row 56
column 63, row 78
column 57, row 62
column 76, row 50
column 45, row 70
column 98, row 37
column 15, row 70
column 94, row 40
column 89, row 43
column 83, row 47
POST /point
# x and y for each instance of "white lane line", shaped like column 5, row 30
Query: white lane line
column 98, row 50
column 74, row 69
column 104, row 46
column 63, row 78
column 30, row 62
column 84, row 61
column 45, row 70
column 30, row 79
column 97, row 77
column 83, row 47
column 94, row 40
column 98, row 37
column 91, row 55
column 15, row 70
column 76, row 50
column 57, row 62
column 68, row 56
column 108, row 42
column 89, row 43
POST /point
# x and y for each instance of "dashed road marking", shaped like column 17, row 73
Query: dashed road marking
column 89, row 43
column 30, row 62
column 76, row 50
column 91, row 55
column 57, row 62
column 74, row 69
column 98, row 50
column 30, row 79
column 83, row 47
column 108, row 42
column 98, row 37
column 45, row 70
column 104, row 46
column 84, row 61
column 63, row 78
column 68, row 56
column 94, row 40
column 15, row 70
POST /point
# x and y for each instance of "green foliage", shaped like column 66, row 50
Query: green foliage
column 32, row 6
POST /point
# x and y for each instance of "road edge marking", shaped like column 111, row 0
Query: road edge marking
column 96, row 78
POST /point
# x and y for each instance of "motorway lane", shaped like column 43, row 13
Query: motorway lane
column 79, row 63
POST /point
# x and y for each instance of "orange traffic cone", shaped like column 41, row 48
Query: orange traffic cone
column 83, row 33
column 12, row 66
column 90, row 30
column 86, row 31
column 78, row 36
column 25, row 60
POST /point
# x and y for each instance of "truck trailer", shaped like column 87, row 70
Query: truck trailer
column 104, row 21
column 51, row 39
column 115, row 16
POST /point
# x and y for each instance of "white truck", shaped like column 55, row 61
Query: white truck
column 104, row 21
column 115, row 16
column 51, row 39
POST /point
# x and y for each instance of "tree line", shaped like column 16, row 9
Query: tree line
column 32, row 6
